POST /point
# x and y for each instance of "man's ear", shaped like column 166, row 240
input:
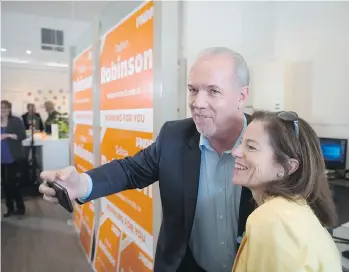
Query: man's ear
column 293, row 165
column 243, row 96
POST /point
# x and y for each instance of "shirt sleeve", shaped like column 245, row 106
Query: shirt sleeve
column 273, row 247
column 89, row 190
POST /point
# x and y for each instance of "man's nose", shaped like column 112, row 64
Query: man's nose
column 237, row 152
column 200, row 100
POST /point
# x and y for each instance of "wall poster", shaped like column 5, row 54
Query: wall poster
column 125, row 237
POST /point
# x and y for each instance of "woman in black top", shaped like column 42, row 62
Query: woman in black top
column 12, row 154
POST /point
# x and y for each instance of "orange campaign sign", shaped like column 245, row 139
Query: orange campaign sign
column 119, row 249
column 82, row 111
column 82, row 81
column 84, row 161
column 135, row 203
column 84, row 215
column 108, row 245
column 132, row 258
column 126, row 67
column 127, row 62
column 77, row 217
column 83, row 147
column 87, row 227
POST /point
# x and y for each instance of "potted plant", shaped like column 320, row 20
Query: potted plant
column 63, row 125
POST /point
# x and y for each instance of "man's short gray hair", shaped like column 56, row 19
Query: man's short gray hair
column 242, row 72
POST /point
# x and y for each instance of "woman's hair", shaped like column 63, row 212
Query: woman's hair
column 9, row 105
column 309, row 180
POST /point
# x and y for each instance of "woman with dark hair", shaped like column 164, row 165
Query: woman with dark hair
column 280, row 160
column 12, row 154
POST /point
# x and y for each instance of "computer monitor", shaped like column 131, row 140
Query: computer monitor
column 334, row 152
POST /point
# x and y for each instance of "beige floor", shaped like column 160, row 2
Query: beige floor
column 41, row 241
column 44, row 241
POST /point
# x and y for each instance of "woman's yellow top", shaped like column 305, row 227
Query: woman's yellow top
column 286, row 236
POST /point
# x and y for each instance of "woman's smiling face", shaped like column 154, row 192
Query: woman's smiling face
column 254, row 158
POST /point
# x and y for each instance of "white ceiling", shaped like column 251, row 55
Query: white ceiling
column 73, row 17
column 21, row 23
column 71, row 10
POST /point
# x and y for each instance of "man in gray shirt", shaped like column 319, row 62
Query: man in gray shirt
column 215, row 228
column 204, row 214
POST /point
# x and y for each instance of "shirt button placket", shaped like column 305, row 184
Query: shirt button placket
column 221, row 214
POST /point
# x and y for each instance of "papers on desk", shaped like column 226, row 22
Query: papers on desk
column 54, row 131
column 37, row 135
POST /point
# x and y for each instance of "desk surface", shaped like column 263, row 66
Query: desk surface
column 41, row 141
column 339, row 182
column 54, row 153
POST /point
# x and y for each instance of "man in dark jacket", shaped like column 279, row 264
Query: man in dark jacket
column 52, row 117
column 32, row 118
column 204, row 214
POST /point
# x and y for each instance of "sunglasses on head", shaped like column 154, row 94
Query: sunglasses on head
column 290, row 116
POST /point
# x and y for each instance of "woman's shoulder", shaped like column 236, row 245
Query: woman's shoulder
column 292, row 219
column 291, row 227
column 281, row 212
column 15, row 119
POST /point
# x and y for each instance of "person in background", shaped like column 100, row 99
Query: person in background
column 52, row 116
column 12, row 155
column 280, row 161
column 32, row 117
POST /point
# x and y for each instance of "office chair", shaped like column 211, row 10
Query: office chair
column 339, row 240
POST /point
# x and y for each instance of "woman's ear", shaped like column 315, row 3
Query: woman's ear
column 293, row 165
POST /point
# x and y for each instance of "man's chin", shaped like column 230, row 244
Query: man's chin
column 204, row 131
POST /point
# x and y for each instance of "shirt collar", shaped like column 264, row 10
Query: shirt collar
column 205, row 143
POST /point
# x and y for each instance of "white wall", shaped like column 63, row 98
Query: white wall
column 308, row 41
column 19, row 32
column 248, row 28
column 22, row 85
column 318, row 32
